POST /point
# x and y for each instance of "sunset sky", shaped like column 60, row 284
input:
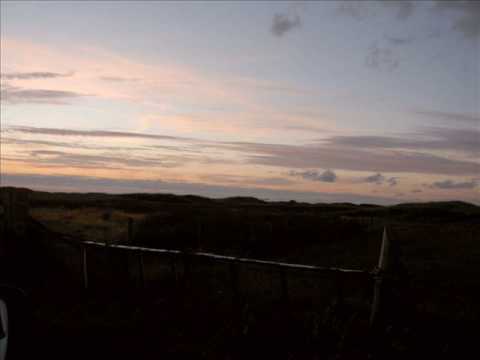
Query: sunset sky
column 311, row 101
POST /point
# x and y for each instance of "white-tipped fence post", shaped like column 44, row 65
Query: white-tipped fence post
column 379, row 272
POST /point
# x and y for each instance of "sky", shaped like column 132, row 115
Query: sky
column 336, row 101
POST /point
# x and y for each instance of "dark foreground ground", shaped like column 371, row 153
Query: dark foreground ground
column 432, row 310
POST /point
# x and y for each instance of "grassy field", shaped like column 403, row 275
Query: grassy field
column 89, row 223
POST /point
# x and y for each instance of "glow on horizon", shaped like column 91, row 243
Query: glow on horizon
column 369, row 112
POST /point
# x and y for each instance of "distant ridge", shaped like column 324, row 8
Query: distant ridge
column 154, row 200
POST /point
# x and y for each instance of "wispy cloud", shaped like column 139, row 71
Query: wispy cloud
column 451, row 185
column 91, row 133
column 429, row 138
column 473, row 119
column 34, row 75
column 467, row 13
column 62, row 144
column 17, row 95
column 313, row 175
column 357, row 160
column 169, row 85
column 76, row 160
column 355, row 153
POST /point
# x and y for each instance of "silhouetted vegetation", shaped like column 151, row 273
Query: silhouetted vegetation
column 198, row 315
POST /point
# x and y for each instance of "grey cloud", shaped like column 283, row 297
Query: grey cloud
column 68, row 159
column 283, row 23
column 34, row 75
column 91, row 133
column 392, row 181
column 468, row 20
column 43, row 153
column 467, row 140
column 381, row 58
column 379, row 179
column 473, row 119
column 432, row 138
column 381, row 154
column 375, row 179
column 17, row 95
column 46, row 152
column 314, row 175
column 449, row 184
column 30, row 142
column 356, row 159
column 69, row 145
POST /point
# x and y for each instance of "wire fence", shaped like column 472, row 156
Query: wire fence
column 99, row 266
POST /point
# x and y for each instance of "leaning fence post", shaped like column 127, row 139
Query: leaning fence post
column 379, row 275
column 85, row 267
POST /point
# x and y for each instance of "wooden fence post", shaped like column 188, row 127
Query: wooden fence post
column 379, row 272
